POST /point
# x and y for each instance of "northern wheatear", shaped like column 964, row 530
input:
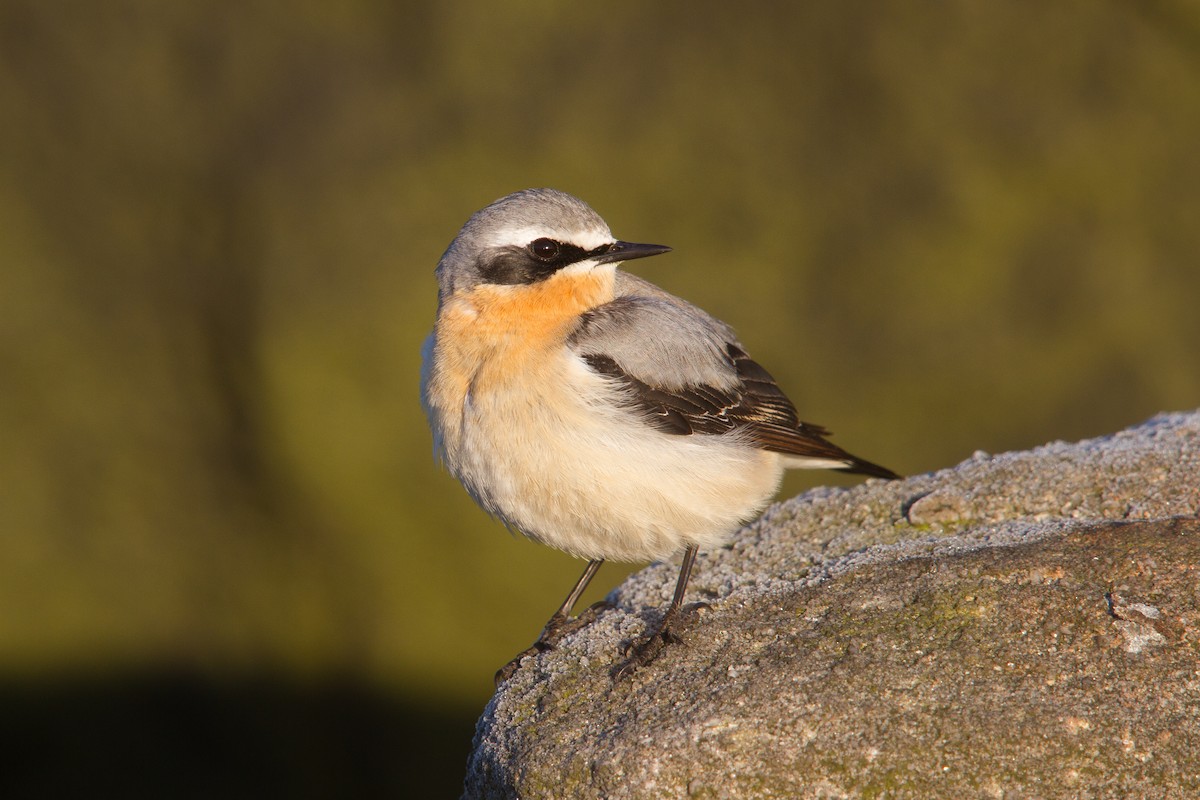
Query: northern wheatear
column 594, row 412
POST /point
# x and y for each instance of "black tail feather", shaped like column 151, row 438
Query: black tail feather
column 861, row 467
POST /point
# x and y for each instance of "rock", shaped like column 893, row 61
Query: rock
column 1022, row 625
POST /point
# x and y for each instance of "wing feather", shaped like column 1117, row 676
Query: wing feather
column 755, row 407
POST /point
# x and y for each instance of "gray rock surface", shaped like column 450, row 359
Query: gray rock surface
column 1022, row 625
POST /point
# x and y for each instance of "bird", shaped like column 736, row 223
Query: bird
column 594, row 412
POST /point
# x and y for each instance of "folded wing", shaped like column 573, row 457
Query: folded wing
column 689, row 376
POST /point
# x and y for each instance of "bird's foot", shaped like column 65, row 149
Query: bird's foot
column 641, row 654
column 557, row 629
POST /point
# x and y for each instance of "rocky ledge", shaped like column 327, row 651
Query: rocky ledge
column 1022, row 625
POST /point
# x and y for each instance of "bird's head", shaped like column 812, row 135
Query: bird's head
column 526, row 237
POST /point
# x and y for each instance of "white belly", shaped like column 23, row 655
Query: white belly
column 574, row 471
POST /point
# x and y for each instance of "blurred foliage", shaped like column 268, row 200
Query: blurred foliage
column 943, row 227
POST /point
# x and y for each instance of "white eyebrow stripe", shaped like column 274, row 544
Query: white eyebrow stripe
column 588, row 239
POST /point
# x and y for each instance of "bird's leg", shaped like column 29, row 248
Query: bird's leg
column 560, row 624
column 646, row 651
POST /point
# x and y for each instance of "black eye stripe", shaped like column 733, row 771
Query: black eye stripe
column 523, row 265
column 560, row 254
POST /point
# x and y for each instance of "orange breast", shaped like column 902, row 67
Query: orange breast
column 492, row 335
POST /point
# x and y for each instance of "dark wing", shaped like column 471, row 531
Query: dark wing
column 754, row 406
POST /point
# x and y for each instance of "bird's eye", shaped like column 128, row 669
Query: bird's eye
column 544, row 249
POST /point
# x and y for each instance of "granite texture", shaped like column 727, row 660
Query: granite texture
column 1021, row 625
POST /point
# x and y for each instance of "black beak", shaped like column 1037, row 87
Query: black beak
column 627, row 251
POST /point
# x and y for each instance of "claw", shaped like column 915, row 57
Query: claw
column 558, row 628
column 646, row 651
column 643, row 653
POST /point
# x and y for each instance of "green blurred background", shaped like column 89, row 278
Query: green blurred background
column 229, row 564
